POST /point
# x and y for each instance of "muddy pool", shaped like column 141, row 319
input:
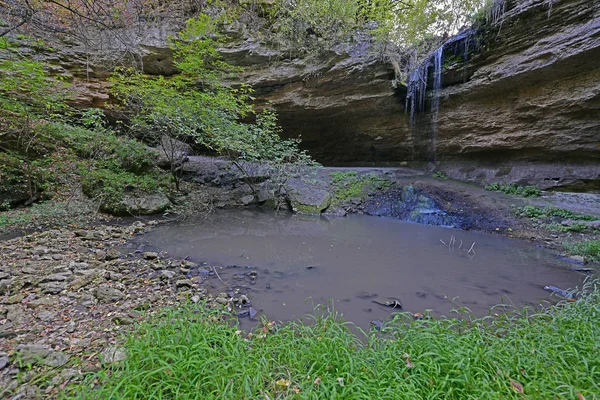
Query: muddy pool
column 353, row 263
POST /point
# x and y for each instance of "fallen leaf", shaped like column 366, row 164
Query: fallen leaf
column 317, row 381
column 283, row 382
column 296, row 389
column 580, row 396
column 517, row 386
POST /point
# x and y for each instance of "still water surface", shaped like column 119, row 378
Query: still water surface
column 303, row 261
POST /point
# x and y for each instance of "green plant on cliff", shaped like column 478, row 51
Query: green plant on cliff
column 309, row 26
column 196, row 104
column 513, row 188
column 42, row 140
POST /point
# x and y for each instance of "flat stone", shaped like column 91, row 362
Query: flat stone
column 14, row 299
column 30, row 354
column 183, row 283
column 306, row 199
column 3, row 361
column 5, row 286
column 123, row 320
column 113, row 254
column 100, row 255
column 165, row 274
column 246, row 200
column 108, row 294
column 42, row 302
column 46, row 316
column 56, row 359
column 4, row 275
column 53, row 287
column 54, row 277
column 29, row 270
column 113, row 355
column 39, row 250
column 150, row 255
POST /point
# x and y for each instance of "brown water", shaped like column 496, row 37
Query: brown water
column 348, row 262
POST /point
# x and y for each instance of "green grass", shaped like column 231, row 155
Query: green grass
column 514, row 189
column 184, row 354
column 589, row 249
column 537, row 212
column 554, row 227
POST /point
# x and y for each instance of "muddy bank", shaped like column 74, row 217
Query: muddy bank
column 66, row 296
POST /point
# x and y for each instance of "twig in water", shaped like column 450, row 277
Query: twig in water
column 471, row 249
column 214, row 269
column 444, row 243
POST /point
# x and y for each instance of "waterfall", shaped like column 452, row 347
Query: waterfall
column 416, row 87
column 437, row 81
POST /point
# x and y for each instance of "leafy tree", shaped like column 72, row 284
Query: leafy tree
column 196, row 105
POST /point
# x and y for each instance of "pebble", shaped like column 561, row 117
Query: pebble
column 150, row 255
column 183, row 283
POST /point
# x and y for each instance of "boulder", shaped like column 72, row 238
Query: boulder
column 138, row 203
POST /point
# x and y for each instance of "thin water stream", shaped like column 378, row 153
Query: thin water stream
column 302, row 261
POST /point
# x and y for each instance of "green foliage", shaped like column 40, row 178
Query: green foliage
column 349, row 185
column 46, row 213
column 589, row 249
column 187, row 354
column 25, row 87
column 514, row 189
column 110, row 184
column 537, row 212
column 554, row 227
column 193, row 103
column 308, row 25
column 314, row 25
column 197, row 104
column 101, row 145
column 440, row 175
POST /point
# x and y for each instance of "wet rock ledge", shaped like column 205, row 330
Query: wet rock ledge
column 65, row 295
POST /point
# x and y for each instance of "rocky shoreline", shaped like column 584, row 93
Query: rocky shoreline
column 67, row 295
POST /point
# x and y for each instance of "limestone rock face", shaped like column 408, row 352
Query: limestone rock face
column 533, row 94
column 528, row 94
column 528, row 97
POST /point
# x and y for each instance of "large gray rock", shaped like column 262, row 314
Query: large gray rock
column 139, row 203
column 307, row 199
column 108, row 294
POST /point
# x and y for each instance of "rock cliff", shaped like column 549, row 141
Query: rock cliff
column 520, row 98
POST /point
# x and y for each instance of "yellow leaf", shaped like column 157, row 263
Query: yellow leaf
column 283, row 382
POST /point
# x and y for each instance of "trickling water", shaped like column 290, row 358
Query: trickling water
column 437, row 81
column 497, row 11
column 416, row 89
